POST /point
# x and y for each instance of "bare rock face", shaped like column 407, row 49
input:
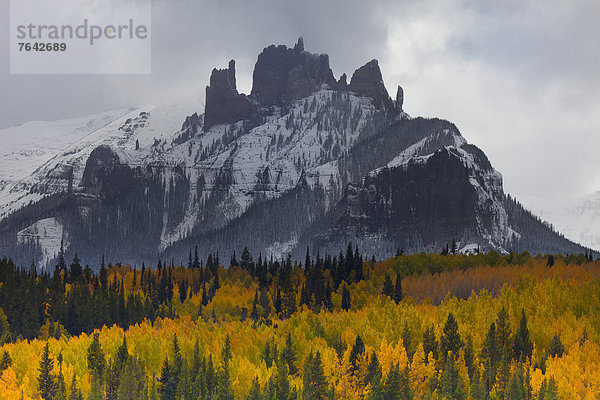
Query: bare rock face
column 367, row 81
column 224, row 105
column 399, row 98
column 283, row 74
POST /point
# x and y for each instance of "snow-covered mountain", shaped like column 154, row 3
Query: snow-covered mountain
column 577, row 218
column 304, row 160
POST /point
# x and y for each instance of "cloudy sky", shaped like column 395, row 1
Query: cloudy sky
column 520, row 79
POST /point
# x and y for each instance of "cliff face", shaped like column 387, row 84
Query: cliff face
column 282, row 74
column 224, row 105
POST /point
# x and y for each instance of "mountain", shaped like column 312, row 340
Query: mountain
column 577, row 218
column 303, row 160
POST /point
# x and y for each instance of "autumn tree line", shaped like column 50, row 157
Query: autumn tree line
column 330, row 327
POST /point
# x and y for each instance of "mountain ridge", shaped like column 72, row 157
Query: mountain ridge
column 304, row 157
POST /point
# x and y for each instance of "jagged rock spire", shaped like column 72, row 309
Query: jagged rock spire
column 367, row 81
column 400, row 98
column 300, row 45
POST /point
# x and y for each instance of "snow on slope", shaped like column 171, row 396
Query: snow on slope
column 37, row 153
column 28, row 146
column 48, row 233
column 576, row 218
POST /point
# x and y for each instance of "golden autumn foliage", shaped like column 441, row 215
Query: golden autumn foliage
column 563, row 300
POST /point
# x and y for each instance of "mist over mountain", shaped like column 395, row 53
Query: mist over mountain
column 305, row 159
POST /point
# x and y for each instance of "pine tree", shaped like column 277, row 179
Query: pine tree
column 254, row 393
column 314, row 381
column 5, row 362
column 478, row 391
column 75, row 392
column 453, row 386
column 469, row 355
column 450, row 340
column 490, row 356
column 373, row 369
column 95, row 357
column 60, row 386
column 556, row 348
column 132, row 381
column 398, row 290
column 282, row 388
column 523, row 347
column 46, row 383
column 196, row 261
column 226, row 352
column 392, row 386
column 224, row 390
column 204, row 295
column 430, row 343
column 278, row 303
column 503, row 331
column 346, row 300
column 168, row 386
column 407, row 341
column 548, row 390
column 388, row 287
column 357, row 349
column 289, row 356
column 515, row 389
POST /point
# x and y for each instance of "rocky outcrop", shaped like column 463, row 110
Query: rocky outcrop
column 400, row 98
column 105, row 174
column 367, row 81
column 224, row 105
column 283, row 74
column 434, row 200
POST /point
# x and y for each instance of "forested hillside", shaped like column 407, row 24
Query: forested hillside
column 421, row 326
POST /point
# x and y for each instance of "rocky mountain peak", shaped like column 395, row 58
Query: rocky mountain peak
column 224, row 105
column 282, row 74
column 368, row 81
column 299, row 45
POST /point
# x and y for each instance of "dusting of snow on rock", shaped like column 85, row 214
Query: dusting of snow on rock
column 47, row 233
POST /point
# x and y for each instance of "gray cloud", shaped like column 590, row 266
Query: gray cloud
column 518, row 78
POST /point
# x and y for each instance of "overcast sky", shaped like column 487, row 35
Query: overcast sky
column 520, row 79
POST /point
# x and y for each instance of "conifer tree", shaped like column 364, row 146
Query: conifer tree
column 282, row 388
column 314, row 382
column 46, row 382
column 346, row 300
column 373, row 369
column 407, row 341
column 398, row 289
column 556, row 348
column 357, row 349
column 430, row 343
column 224, row 390
column 75, row 392
column 5, row 362
column 61, row 387
column 168, row 386
column 289, row 355
column 548, row 390
column 515, row 389
column 450, row 340
column 452, row 385
column 254, row 393
column 95, row 357
column 388, row 287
